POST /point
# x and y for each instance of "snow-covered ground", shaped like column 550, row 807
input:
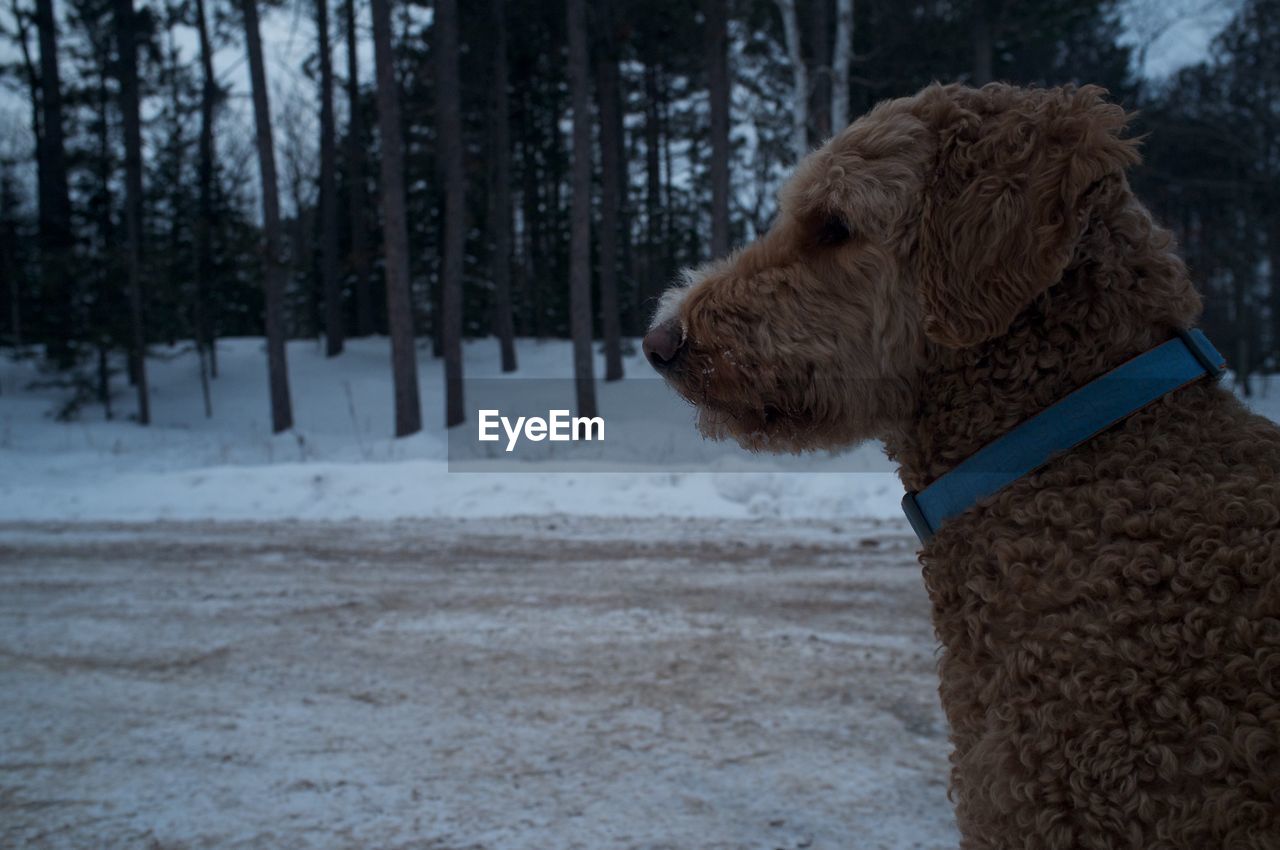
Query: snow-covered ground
column 535, row 684
column 340, row 462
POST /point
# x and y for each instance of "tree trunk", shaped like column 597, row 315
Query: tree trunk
column 104, row 381
column 9, row 256
column 359, row 259
column 436, row 293
column 21, row 22
column 55, row 236
column 1241, row 280
column 126, row 44
column 204, row 217
column 395, row 239
column 10, row 268
column 301, row 239
column 274, row 271
column 613, row 146
column 799, row 80
column 609, row 101
column 580, row 213
column 531, row 219
column 840, row 61
column 180, row 299
column 718, row 85
column 333, row 312
column 983, row 41
column 654, row 272
column 627, row 281
column 105, row 306
column 449, row 135
column 668, row 187
column 820, row 44
column 15, row 309
column 1275, row 289
column 557, row 155
column 1243, row 363
column 500, row 212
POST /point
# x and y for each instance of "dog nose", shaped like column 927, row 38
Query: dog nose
column 662, row 344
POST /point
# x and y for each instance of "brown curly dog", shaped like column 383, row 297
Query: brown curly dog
column 940, row 271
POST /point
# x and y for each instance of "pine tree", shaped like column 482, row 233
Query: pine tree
column 11, row 269
column 500, row 193
column 126, row 43
column 274, row 272
column 358, row 258
column 333, row 311
column 209, row 96
column 612, row 184
column 56, row 238
column 449, row 134
column 718, row 89
column 580, row 225
column 395, row 238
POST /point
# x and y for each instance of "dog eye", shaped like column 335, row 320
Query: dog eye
column 833, row 231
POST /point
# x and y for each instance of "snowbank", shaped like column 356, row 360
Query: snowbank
column 340, row 462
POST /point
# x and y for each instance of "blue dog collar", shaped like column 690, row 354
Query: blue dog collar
column 1062, row 426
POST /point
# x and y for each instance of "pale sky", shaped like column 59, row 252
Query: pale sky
column 1173, row 33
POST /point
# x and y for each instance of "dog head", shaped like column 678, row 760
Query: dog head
column 929, row 224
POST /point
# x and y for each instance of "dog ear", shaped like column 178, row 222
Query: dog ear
column 859, row 184
column 1009, row 199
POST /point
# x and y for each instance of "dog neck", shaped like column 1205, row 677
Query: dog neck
column 1125, row 292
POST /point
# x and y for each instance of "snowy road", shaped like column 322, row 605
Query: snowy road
column 528, row 684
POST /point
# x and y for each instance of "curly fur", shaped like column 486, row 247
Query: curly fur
column 948, row 266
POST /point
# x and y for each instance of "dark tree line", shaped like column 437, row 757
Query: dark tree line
column 1212, row 172
column 526, row 168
